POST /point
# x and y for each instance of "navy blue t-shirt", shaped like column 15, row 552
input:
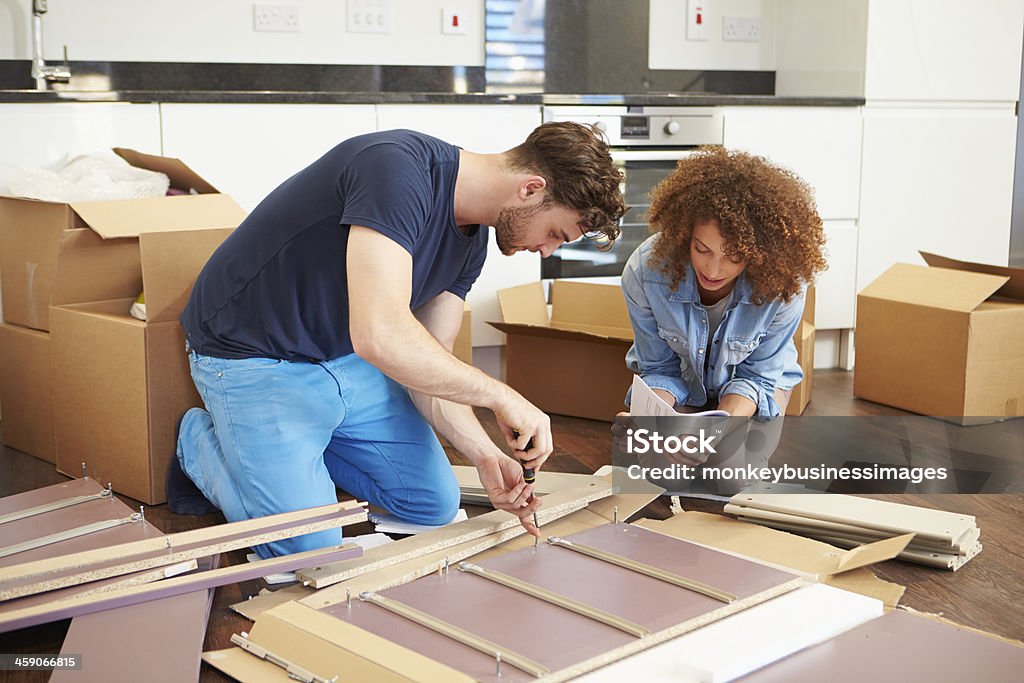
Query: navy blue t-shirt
column 277, row 287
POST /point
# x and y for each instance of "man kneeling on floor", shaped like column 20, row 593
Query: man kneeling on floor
column 319, row 334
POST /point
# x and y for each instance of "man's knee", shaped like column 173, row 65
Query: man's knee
column 435, row 508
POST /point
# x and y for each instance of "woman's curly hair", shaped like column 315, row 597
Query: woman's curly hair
column 766, row 215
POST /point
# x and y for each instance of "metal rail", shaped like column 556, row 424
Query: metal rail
column 455, row 633
column 607, row 618
column 645, row 569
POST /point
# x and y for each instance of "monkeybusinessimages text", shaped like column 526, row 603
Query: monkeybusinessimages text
column 701, row 444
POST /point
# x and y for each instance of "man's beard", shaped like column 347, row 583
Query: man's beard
column 510, row 228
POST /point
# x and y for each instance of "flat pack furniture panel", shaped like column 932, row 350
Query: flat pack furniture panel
column 900, row 647
column 413, row 566
column 824, row 562
column 63, row 519
column 555, row 505
column 854, row 531
column 180, row 585
column 564, row 642
column 48, row 494
column 169, row 633
column 877, row 514
column 104, row 561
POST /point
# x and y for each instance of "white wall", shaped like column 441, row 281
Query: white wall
column 670, row 49
column 820, row 47
column 222, row 31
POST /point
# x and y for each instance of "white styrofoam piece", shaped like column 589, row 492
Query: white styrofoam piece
column 749, row 640
column 385, row 522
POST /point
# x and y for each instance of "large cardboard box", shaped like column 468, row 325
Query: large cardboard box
column 124, row 383
column 573, row 362
column 32, row 231
column 26, row 387
column 943, row 340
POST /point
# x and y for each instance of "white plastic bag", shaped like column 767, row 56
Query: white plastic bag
column 91, row 177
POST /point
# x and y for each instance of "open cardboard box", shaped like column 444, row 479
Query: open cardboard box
column 31, row 231
column 943, row 340
column 26, row 387
column 573, row 362
column 124, row 383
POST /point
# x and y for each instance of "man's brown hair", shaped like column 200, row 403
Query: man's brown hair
column 577, row 166
column 765, row 214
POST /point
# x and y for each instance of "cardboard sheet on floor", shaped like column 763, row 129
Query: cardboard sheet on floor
column 899, row 647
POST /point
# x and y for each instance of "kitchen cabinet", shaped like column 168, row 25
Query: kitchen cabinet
column 937, row 178
column 487, row 129
column 246, row 150
column 900, row 50
column 47, row 135
column 822, row 146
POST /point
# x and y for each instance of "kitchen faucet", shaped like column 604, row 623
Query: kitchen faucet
column 41, row 72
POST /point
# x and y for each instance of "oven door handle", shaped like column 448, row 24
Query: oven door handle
column 651, row 155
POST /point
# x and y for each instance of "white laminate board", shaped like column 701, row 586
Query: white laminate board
column 744, row 642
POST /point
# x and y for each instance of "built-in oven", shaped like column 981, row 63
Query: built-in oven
column 646, row 143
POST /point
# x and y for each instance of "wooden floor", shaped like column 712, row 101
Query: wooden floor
column 985, row 594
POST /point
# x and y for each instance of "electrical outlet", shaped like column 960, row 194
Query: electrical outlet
column 369, row 16
column 276, row 18
column 741, row 29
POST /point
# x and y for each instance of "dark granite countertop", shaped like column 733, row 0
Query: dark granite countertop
column 320, row 97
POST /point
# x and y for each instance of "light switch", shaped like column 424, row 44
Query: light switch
column 697, row 19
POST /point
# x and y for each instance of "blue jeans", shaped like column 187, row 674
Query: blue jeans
column 278, row 436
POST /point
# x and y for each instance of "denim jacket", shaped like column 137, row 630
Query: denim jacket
column 752, row 352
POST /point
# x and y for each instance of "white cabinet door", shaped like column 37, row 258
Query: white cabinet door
column 477, row 128
column 935, row 179
column 944, row 50
column 246, row 150
column 835, row 289
column 48, row 134
column 820, row 144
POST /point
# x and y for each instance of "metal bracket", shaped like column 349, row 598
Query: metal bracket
column 455, row 633
column 645, row 569
column 295, row 671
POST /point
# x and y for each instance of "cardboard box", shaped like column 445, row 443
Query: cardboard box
column 32, row 231
column 804, row 340
column 943, row 340
column 124, row 383
column 26, row 391
column 573, row 363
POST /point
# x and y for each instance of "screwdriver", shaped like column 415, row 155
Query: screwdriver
column 529, row 476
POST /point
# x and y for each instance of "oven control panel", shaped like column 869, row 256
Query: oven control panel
column 647, row 126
